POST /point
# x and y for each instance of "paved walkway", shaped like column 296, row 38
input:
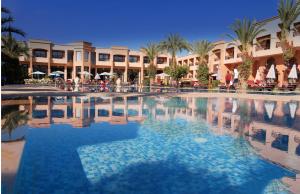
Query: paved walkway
column 25, row 90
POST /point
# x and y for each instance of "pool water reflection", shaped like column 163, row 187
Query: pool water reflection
column 154, row 144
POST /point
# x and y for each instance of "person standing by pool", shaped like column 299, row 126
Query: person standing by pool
column 228, row 79
column 235, row 77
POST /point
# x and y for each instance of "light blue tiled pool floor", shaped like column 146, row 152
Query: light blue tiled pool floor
column 172, row 156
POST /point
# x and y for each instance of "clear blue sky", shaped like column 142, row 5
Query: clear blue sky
column 132, row 23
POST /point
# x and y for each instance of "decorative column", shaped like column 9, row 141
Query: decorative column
column 142, row 73
column 126, row 68
column 49, row 56
column 66, row 72
column 30, row 69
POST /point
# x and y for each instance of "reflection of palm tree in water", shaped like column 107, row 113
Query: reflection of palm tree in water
column 14, row 120
column 245, row 119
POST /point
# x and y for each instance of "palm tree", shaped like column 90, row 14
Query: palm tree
column 288, row 11
column 14, row 120
column 12, row 48
column 152, row 50
column 6, row 21
column 245, row 32
column 174, row 44
column 201, row 49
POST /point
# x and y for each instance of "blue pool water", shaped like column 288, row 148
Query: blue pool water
column 152, row 154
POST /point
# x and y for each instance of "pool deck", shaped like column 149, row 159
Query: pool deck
column 24, row 90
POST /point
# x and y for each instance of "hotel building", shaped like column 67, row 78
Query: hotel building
column 80, row 56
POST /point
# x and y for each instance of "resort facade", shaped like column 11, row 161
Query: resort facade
column 81, row 56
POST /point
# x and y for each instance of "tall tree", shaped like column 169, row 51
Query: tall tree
column 173, row 44
column 245, row 31
column 151, row 50
column 201, row 49
column 6, row 23
column 288, row 12
column 11, row 50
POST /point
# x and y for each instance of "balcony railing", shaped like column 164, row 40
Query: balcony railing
column 260, row 48
column 229, row 57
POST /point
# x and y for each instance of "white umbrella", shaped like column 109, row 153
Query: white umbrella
column 97, row 76
column 163, row 75
column 219, row 75
column 269, row 106
column 85, row 73
column 293, row 108
column 54, row 74
column 38, row 73
column 58, row 72
column 106, row 74
column 257, row 76
column 271, row 73
column 293, row 73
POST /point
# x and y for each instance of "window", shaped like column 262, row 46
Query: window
column 161, row 60
column 134, row 59
column 86, row 56
column 119, row 58
column 40, row 53
column 70, row 55
column 146, row 60
column 93, row 58
column 104, row 57
column 264, row 43
column 78, row 55
column 58, row 54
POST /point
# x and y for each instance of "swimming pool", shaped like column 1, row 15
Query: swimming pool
column 155, row 144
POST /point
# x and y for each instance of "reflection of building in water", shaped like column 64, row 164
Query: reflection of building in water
column 80, row 111
column 273, row 127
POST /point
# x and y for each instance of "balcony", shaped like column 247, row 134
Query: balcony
column 263, row 43
column 228, row 57
column 217, row 55
column 216, row 59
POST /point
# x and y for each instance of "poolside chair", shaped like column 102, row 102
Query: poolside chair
column 288, row 87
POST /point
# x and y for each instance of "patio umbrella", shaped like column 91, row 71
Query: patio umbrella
column 97, row 76
column 38, row 73
column 85, row 73
column 163, row 75
column 58, row 72
column 106, row 74
column 54, row 74
column 257, row 76
column 271, row 73
column 269, row 106
column 293, row 73
column 293, row 108
column 219, row 74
